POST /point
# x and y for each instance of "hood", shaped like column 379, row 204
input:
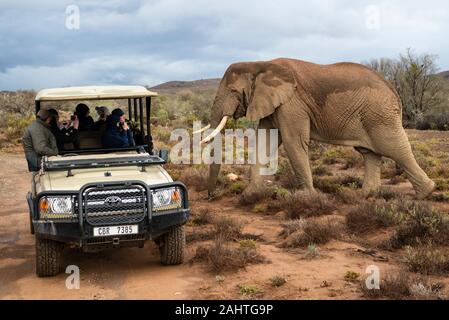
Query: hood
column 58, row 180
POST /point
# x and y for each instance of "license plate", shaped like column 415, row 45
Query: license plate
column 116, row 230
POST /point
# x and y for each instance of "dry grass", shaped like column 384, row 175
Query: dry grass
column 349, row 196
column 335, row 183
column 277, row 281
column 203, row 217
column 259, row 193
column 401, row 285
column 221, row 257
column 370, row 216
column 228, row 228
column 313, row 232
column 195, row 177
column 427, row 260
column 420, row 223
column 307, row 204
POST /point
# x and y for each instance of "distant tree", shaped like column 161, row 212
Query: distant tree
column 414, row 77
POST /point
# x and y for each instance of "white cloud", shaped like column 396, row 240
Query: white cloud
column 149, row 41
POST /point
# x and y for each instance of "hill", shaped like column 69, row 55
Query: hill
column 444, row 74
column 174, row 87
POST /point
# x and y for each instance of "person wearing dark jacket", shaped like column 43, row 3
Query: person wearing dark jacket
column 83, row 114
column 117, row 133
column 100, row 124
column 39, row 141
column 62, row 133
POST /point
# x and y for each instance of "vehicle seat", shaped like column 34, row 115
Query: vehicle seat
column 90, row 139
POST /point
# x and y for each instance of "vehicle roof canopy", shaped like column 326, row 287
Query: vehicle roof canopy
column 94, row 93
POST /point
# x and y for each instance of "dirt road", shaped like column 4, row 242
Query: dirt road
column 137, row 274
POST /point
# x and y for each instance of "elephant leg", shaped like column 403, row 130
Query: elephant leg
column 397, row 147
column 296, row 144
column 255, row 176
column 371, row 180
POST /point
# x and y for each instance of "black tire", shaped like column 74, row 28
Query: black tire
column 172, row 246
column 48, row 257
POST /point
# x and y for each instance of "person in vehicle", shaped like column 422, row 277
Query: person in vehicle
column 38, row 140
column 117, row 133
column 64, row 134
column 86, row 122
column 103, row 112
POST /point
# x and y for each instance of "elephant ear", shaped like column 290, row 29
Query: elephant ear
column 274, row 85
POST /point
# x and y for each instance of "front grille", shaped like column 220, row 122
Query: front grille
column 115, row 205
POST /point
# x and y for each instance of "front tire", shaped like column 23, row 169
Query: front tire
column 48, row 257
column 172, row 246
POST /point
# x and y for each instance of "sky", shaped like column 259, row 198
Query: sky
column 57, row 43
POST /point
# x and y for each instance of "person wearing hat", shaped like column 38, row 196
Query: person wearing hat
column 82, row 112
column 117, row 133
column 103, row 113
column 63, row 134
column 38, row 140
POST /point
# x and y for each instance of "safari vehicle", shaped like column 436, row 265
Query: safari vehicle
column 95, row 198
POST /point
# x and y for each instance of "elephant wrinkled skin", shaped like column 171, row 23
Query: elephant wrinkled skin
column 343, row 103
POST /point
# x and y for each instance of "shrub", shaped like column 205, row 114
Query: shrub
column 384, row 193
column 277, row 281
column 369, row 216
column 307, row 204
column 220, row 256
column 348, row 195
column 260, row 208
column 421, row 223
column 250, row 290
column 161, row 134
column 258, row 193
column 248, row 243
column 237, row 187
column 285, row 175
column 196, row 177
column 321, row 170
column 16, row 125
column 203, row 217
column 427, row 260
column 334, row 184
column 403, row 286
column 351, row 276
column 227, row 228
column 292, row 226
column 313, row 232
column 279, row 192
column 312, row 251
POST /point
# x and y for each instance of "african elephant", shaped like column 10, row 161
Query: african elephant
column 344, row 104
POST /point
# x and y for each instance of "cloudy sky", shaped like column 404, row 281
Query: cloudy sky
column 43, row 44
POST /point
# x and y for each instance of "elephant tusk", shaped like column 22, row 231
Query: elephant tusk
column 201, row 130
column 215, row 132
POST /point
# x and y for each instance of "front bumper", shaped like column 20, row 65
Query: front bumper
column 81, row 232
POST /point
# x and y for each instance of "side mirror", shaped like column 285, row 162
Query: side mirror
column 163, row 154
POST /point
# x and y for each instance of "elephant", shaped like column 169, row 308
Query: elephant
column 343, row 104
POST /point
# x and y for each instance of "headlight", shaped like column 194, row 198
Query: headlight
column 56, row 208
column 166, row 199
